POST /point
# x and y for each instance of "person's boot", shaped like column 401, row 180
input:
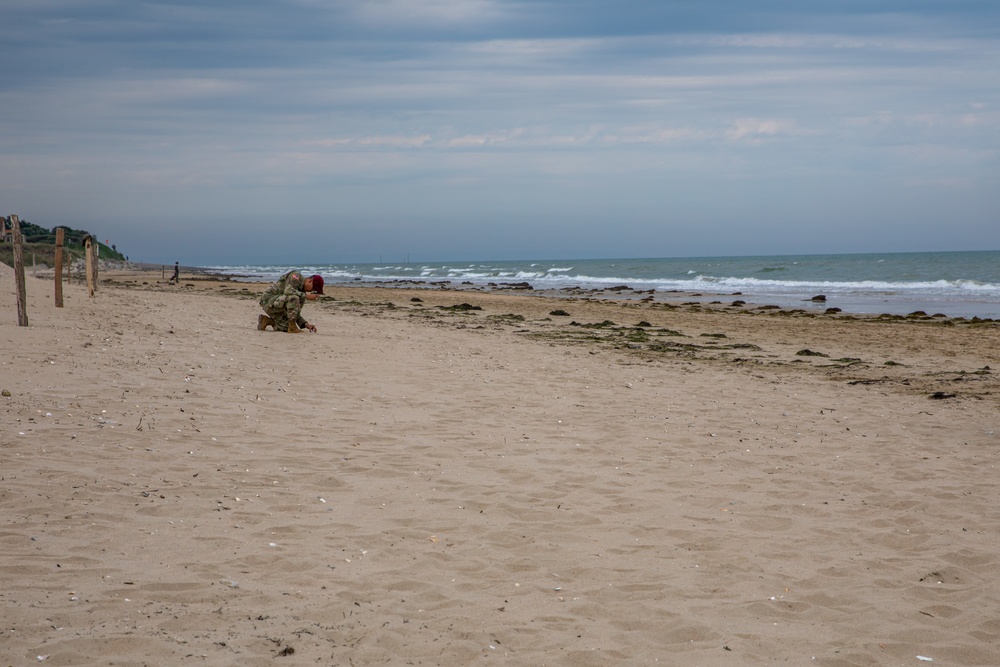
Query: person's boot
column 263, row 322
column 294, row 328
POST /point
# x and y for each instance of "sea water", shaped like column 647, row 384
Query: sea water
column 957, row 284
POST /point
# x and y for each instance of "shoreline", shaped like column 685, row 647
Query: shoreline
column 954, row 284
column 884, row 306
column 812, row 305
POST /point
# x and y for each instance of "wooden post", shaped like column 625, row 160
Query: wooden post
column 88, row 246
column 60, row 234
column 95, row 248
column 22, row 302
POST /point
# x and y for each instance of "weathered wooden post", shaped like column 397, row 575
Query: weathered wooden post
column 60, row 234
column 88, row 252
column 96, row 250
column 22, row 299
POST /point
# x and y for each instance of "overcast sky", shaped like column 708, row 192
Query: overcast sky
column 330, row 130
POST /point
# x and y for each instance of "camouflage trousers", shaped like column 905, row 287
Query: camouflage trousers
column 283, row 309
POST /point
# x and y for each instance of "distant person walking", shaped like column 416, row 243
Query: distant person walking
column 176, row 278
column 282, row 302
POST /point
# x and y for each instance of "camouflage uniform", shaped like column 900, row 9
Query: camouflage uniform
column 283, row 301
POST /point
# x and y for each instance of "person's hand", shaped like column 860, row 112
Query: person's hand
column 311, row 327
column 311, row 296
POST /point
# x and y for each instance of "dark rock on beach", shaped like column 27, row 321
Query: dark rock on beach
column 461, row 307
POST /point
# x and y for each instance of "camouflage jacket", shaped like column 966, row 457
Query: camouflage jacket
column 290, row 284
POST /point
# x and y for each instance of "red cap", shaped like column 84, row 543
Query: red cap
column 317, row 283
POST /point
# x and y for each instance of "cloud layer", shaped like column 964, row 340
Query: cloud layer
column 495, row 129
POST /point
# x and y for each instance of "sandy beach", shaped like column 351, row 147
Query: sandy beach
column 441, row 477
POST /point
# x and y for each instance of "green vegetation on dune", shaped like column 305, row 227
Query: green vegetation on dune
column 40, row 245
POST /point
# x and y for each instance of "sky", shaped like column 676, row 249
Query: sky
column 312, row 131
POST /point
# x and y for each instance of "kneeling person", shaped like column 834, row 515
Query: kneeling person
column 282, row 302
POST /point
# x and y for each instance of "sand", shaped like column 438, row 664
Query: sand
column 423, row 484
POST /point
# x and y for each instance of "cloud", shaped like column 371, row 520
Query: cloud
column 371, row 141
column 756, row 128
column 427, row 13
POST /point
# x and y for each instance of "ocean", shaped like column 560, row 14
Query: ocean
column 956, row 284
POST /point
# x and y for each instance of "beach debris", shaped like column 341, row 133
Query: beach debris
column 6, row 393
column 809, row 353
column 924, row 658
column 461, row 307
column 509, row 317
column 598, row 325
column 849, row 361
column 558, row 312
column 940, row 395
